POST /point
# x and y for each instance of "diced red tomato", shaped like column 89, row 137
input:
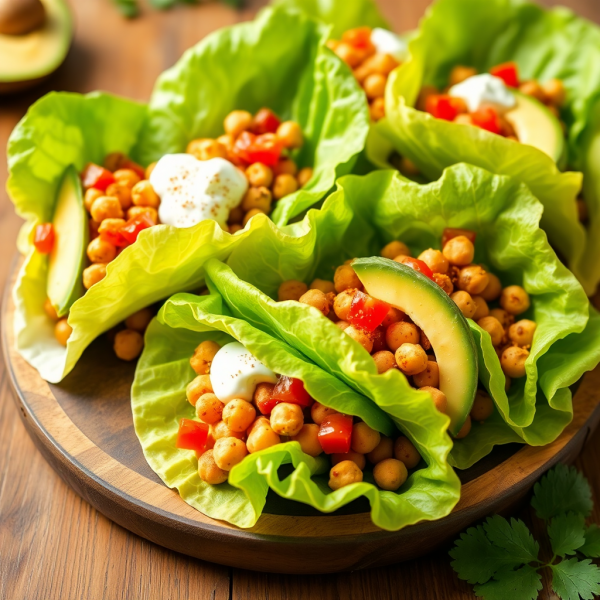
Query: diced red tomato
column 452, row 232
column 418, row 265
column 97, row 177
column 132, row 228
column 292, row 390
column 366, row 312
column 335, row 434
column 508, row 72
column 360, row 37
column 265, row 121
column 138, row 169
column 43, row 238
column 442, row 106
column 115, row 238
column 266, row 405
column 192, row 435
column 487, row 118
column 263, row 148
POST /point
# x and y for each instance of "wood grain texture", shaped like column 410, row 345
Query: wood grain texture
column 52, row 544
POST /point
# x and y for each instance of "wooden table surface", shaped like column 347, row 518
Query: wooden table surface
column 54, row 546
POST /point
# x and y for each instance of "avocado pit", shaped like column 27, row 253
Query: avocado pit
column 20, row 17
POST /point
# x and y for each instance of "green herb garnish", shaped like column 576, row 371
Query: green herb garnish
column 130, row 8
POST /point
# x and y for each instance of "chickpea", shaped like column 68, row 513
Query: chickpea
column 459, row 73
column 435, row 260
column 238, row 415
column 252, row 213
column 136, row 211
column 284, row 185
column 308, row 438
column 228, row 452
column 261, row 421
column 430, row 377
column 521, row 332
column 106, row 207
column 91, row 194
column 290, row 135
column 348, row 54
column 259, row 175
column 459, row 251
column 101, row 251
column 494, row 328
column 405, row 451
column 383, row 450
column 122, row 192
column 394, row 315
column 287, row 419
column 263, row 393
column 220, row 430
column 262, row 437
column 208, row 407
column 291, row 290
column 360, row 336
column 93, row 274
column 209, row 471
column 127, row 177
column 473, row 279
column 555, row 91
column 317, row 299
column 320, row 412
column 483, row 406
column 324, row 286
column 506, row 320
column 236, row 122
column 304, row 176
column 343, row 303
column 534, row 89
column 50, row 310
column 390, row 474
column 444, row 282
column 113, row 161
column 128, row 344
column 62, row 331
column 364, row 438
column 143, row 194
column 236, row 215
column 139, row 320
column 381, row 63
column 345, row 279
column 343, row 325
column 110, row 225
column 513, row 361
column 257, row 197
column 355, row 457
column 401, row 333
column 374, row 85
column 411, row 359
column 481, row 308
column 198, row 387
column 203, row 356
column 343, row 474
column 465, row 429
column 149, row 170
column 439, row 398
column 514, row 299
column 465, row 303
column 205, row 149
column 395, row 248
column 285, row 166
column 384, row 361
column 377, row 109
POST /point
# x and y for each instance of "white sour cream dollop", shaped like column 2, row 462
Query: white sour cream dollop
column 192, row 190
column 235, row 373
column 484, row 90
column 387, row 42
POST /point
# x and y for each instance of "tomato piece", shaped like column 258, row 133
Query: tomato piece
column 115, row 238
column 291, row 390
column 508, row 72
column 97, row 177
column 366, row 312
column 360, row 37
column 43, row 238
column 452, row 232
column 127, row 163
column 335, row 434
column 264, row 148
column 445, row 107
column 265, row 121
column 192, row 435
column 133, row 227
column 487, row 118
column 418, row 265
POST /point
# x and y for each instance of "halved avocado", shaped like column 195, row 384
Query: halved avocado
column 29, row 57
column 437, row 315
column 536, row 126
column 71, row 234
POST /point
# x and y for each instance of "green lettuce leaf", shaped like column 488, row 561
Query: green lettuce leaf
column 545, row 44
column 278, row 61
column 158, row 403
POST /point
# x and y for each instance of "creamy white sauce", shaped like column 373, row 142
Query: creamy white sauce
column 192, row 190
column 484, row 90
column 387, row 42
column 235, row 373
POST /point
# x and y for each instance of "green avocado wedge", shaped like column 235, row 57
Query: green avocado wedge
column 67, row 259
column 536, row 126
column 438, row 316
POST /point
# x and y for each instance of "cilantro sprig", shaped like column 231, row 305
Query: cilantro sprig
column 500, row 557
column 130, row 8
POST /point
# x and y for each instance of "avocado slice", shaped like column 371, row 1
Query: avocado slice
column 71, row 234
column 28, row 58
column 536, row 126
column 437, row 315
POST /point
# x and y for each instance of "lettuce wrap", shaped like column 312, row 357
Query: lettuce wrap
column 544, row 44
column 506, row 217
column 279, row 61
column 159, row 402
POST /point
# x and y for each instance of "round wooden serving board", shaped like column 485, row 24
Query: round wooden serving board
column 84, row 428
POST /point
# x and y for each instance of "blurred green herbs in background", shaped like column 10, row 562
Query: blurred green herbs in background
column 130, row 8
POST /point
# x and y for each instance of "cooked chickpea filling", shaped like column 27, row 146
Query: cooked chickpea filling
column 278, row 412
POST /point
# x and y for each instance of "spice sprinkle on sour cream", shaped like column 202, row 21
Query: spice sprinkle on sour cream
column 193, row 190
